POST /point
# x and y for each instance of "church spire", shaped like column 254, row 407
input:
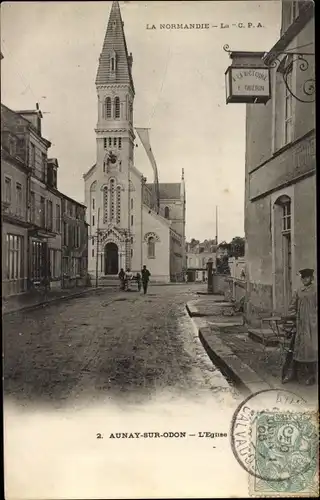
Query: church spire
column 114, row 62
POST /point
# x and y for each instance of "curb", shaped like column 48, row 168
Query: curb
column 40, row 305
column 231, row 366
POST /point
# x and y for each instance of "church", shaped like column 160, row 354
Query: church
column 131, row 222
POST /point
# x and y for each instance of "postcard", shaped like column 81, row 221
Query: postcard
column 159, row 265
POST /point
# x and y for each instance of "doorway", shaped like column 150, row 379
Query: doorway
column 111, row 265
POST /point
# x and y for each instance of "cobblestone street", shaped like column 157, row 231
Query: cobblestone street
column 113, row 345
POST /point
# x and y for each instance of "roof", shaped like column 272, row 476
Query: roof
column 114, row 41
column 70, row 199
column 86, row 174
column 168, row 190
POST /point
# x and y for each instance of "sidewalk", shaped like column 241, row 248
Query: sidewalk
column 25, row 301
column 244, row 361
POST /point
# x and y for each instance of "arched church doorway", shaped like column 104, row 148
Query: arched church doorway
column 111, row 265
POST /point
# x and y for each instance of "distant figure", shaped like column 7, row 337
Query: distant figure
column 128, row 278
column 186, row 278
column 138, row 278
column 145, row 278
column 121, row 277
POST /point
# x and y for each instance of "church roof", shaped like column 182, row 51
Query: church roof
column 114, row 41
column 168, row 190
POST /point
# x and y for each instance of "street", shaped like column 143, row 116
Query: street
column 116, row 345
column 117, row 364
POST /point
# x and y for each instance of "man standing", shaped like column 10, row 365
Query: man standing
column 145, row 275
column 305, row 350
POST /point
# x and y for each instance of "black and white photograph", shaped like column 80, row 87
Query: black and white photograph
column 159, row 249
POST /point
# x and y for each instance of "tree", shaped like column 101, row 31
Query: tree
column 237, row 247
column 222, row 265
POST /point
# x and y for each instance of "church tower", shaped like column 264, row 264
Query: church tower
column 114, row 146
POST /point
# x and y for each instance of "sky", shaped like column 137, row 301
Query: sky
column 51, row 52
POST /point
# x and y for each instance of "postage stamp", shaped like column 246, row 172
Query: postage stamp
column 274, row 437
column 286, row 454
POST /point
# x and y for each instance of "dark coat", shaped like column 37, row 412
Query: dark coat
column 145, row 273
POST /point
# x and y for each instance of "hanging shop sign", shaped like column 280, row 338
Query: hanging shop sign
column 247, row 84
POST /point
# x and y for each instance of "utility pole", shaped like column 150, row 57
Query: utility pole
column 216, row 224
column 97, row 250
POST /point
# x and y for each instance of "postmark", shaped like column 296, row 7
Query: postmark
column 260, row 426
column 286, row 451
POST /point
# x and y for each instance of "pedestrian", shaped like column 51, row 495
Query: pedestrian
column 145, row 273
column 128, row 278
column 138, row 278
column 121, row 277
column 305, row 345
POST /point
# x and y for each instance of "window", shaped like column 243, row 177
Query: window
column 131, row 203
column 114, row 141
column 19, row 198
column 32, row 156
column 39, row 260
column 286, row 217
column 294, row 10
column 112, row 203
column 105, row 143
column 12, row 146
column 58, row 222
column 131, row 253
column 110, row 142
column 105, row 204
column 93, row 220
column 120, row 142
column 49, row 215
column 108, row 107
column 127, row 107
column 55, row 263
column 8, row 186
column 92, row 252
column 14, row 257
column 131, row 220
column 151, row 247
column 44, row 166
column 166, row 212
column 93, row 203
column 93, row 241
column 117, row 107
column 32, row 207
column 78, row 236
column 65, row 233
column 131, row 240
column 118, row 204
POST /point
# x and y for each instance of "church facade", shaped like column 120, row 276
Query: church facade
column 125, row 230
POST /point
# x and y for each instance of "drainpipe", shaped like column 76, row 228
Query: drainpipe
column 128, row 243
column 28, row 199
column 141, row 236
column 97, row 256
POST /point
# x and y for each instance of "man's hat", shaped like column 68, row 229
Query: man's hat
column 306, row 273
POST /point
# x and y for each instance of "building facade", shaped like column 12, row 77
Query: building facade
column 124, row 229
column 31, row 205
column 198, row 257
column 280, row 186
column 74, row 243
